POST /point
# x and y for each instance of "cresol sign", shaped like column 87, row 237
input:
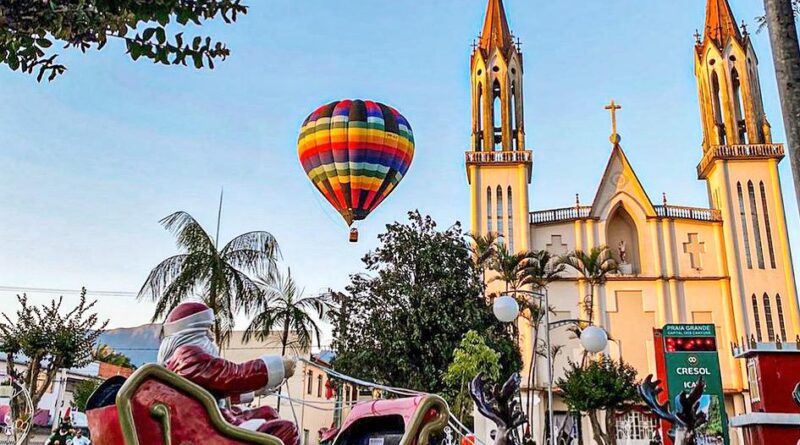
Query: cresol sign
column 690, row 352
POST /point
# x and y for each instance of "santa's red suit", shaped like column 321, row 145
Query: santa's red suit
column 188, row 350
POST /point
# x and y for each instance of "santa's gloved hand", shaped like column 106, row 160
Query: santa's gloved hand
column 288, row 367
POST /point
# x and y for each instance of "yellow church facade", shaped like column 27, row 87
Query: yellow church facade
column 728, row 264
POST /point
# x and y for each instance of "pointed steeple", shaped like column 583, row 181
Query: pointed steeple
column 496, row 33
column 720, row 23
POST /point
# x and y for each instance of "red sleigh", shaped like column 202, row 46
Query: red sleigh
column 157, row 407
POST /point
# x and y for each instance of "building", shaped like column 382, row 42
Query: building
column 728, row 264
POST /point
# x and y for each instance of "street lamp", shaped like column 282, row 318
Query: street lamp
column 593, row 338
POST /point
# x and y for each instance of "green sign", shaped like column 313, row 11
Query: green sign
column 690, row 352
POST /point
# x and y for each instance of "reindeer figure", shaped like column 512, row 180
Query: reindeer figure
column 500, row 405
column 688, row 417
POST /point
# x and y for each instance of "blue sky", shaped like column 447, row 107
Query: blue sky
column 91, row 162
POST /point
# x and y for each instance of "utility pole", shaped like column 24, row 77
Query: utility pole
column 786, row 54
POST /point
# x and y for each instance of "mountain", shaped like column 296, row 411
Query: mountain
column 140, row 344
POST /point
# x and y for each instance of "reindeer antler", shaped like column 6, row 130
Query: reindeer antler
column 649, row 391
column 689, row 407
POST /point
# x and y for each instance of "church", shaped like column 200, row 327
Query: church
column 728, row 264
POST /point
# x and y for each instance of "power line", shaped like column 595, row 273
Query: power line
column 48, row 290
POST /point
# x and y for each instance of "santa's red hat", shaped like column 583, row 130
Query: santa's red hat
column 188, row 315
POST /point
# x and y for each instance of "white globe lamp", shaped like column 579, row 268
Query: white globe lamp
column 594, row 339
column 505, row 308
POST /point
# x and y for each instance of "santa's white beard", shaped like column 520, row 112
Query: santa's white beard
column 191, row 337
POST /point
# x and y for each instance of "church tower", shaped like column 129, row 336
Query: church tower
column 740, row 166
column 498, row 166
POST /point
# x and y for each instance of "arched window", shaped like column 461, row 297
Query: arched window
column 310, row 384
column 719, row 122
column 488, row 210
column 756, row 226
column 756, row 318
column 767, row 227
column 319, row 385
column 479, row 138
column 514, row 117
column 497, row 117
column 509, row 217
column 738, row 104
column 781, row 321
column 743, row 217
column 500, row 227
column 768, row 318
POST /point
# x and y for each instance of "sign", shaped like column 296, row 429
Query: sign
column 690, row 352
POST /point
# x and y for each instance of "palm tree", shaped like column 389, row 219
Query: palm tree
column 218, row 276
column 509, row 266
column 284, row 307
column 484, row 250
column 594, row 267
column 539, row 270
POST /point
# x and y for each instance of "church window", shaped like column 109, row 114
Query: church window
column 509, row 216
column 756, row 318
column 500, row 228
column 310, row 384
column 743, row 217
column 488, row 210
column 479, row 117
column 496, row 69
column 767, row 227
column 781, row 320
column 719, row 123
column 514, row 122
column 768, row 317
column 741, row 123
column 497, row 117
column 319, row 385
column 756, row 227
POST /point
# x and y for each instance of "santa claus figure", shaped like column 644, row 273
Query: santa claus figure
column 188, row 349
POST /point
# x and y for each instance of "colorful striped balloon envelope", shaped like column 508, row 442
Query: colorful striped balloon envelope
column 355, row 152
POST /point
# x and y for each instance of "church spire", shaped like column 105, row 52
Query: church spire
column 496, row 33
column 720, row 23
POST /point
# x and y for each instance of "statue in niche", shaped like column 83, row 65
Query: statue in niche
column 623, row 252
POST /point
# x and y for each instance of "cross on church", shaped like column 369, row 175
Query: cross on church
column 613, row 107
column 695, row 249
column 556, row 245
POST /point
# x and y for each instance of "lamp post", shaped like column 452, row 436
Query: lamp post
column 594, row 339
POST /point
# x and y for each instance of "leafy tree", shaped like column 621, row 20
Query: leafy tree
column 401, row 321
column 106, row 354
column 218, row 275
column 594, row 267
column 29, row 28
column 42, row 341
column 713, row 426
column 84, row 389
column 602, row 385
column 471, row 357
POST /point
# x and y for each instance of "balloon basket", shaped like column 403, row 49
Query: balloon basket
column 354, row 235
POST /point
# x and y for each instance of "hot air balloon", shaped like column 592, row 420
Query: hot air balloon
column 355, row 152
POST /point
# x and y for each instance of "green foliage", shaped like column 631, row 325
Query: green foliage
column 83, row 390
column 602, row 385
column 105, row 354
column 283, row 306
column 400, row 323
column 46, row 340
column 219, row 276
column 594, row 267
column 762, row 20
column 471, row 357
column 713, row 426
column 29, row 28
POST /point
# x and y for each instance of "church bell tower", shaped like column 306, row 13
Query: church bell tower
column 498, row 165
column 740, row 167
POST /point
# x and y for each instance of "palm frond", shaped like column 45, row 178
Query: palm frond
column 189, row 234
column 256, row 252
